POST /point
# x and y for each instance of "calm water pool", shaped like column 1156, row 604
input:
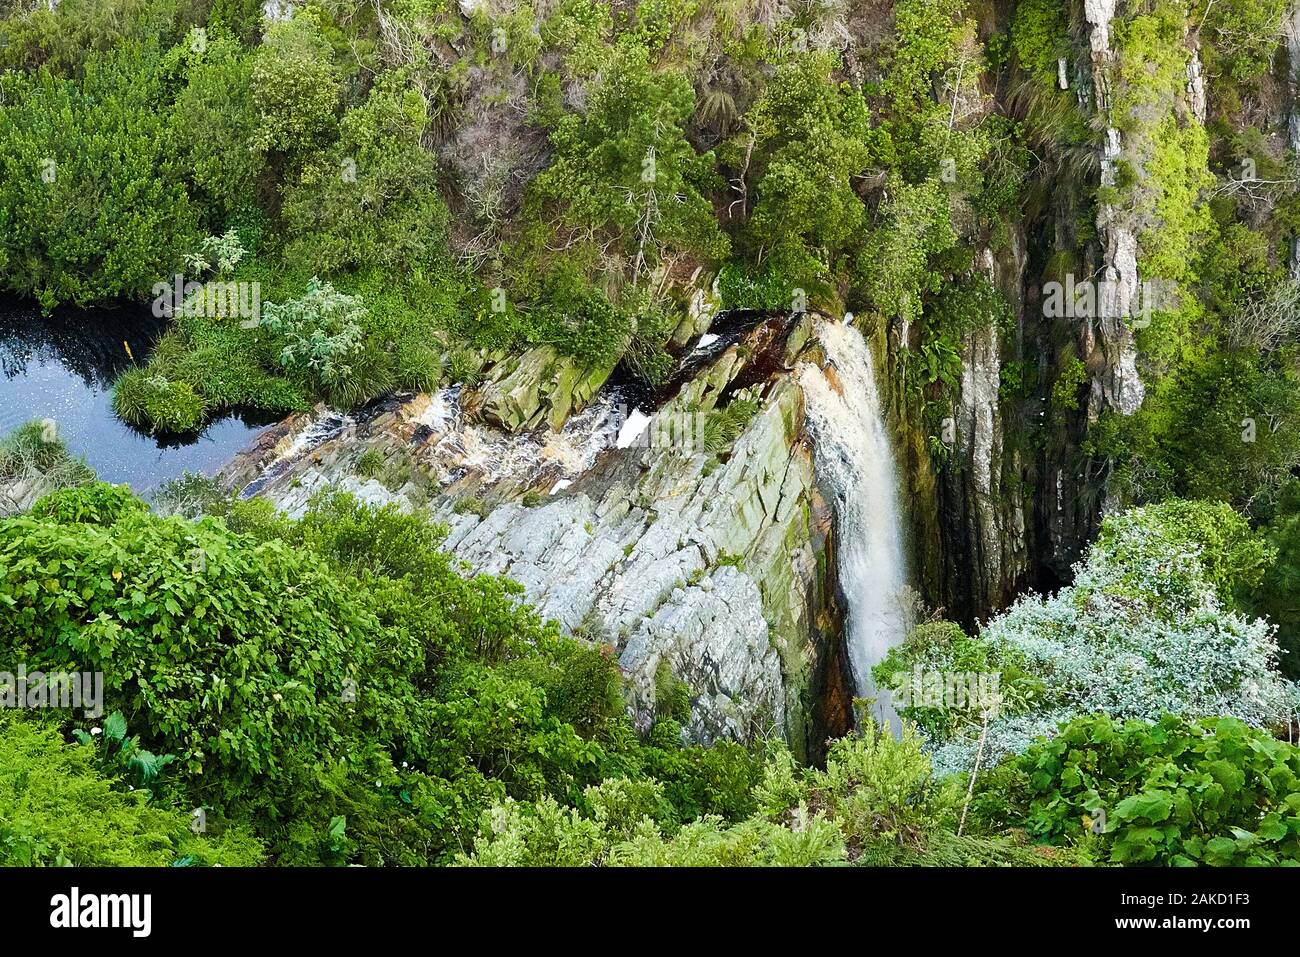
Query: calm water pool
column 63, row 366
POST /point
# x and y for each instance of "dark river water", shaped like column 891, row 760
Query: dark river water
column 62, row 367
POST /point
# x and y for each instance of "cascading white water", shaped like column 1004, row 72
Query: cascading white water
column 855, row 461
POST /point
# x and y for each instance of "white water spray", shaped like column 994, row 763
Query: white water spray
column 855, row 462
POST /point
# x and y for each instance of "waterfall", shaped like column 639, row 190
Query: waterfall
column 855, row 464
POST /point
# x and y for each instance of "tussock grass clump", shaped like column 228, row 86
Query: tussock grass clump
column 33, row 462
column 157, row 403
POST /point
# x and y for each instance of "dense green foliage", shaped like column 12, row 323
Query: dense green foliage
column 340, row 666
column 59, row 806
column 636, row 146
column 1174, row 792
column 92, row 202
column 804, row 140
column 398, row 195
column 1151, row 625
column 876, row 802
column 337, row 689
column 595, row 158
column 1275, row 595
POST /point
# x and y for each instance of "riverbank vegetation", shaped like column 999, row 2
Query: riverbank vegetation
column 513, row 178
column 34, row 461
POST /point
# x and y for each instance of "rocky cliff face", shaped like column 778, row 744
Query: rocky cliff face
column 1291, row 33
column 1012, row 498
column 704, row 548
column 690, row 537
column 1107, row 338
column 985, row 535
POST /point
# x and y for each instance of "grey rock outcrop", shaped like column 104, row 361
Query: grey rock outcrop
column 707, row 556
column 1107, row 337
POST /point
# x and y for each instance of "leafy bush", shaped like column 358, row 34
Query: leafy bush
column 739, row 288
column 62, row 37
column 810, row 841
column 808, row 136
column 1226, row 426
column 1242, row 37
column 97, row 504
column 295, row 87
column 372, row 201
column 1148, row 627
column 215, row 126
column 1173, row 792
column 878, row 787
column 322, row 334
column 134, row 576
column 336, row 684
column 1065, row 390
column 1273, row 595
column 875, row 802
column 91, row 193
column 1232, row 555
column 624, row 166
column 942, row 648
column 58, row 808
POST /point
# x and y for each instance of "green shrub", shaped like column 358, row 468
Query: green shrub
column 1273, row 596
column 347, row 632
column 810, row 841
column 215, row 125
column 1232, row 555
column 739, row 288
column 617, row 162
column 191, row 495
column 57, row 808
column 134, row 576
column 154, row 402
column 295, row 87
column 471, row 505
column 1065, row 390
column 723, row 426
column 95, row 504
column 33, row 451
column 672, row 695
column 946, row 849
column 1174, row 792
column 809, row 135
column 879, row 787
column 370, row 462
column 372, row 201
column 91, row 191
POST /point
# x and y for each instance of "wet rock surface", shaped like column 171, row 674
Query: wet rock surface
column 697, row 540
